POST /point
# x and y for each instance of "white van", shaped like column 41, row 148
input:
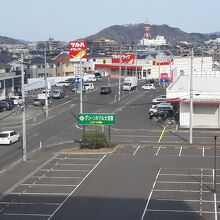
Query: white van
column 88, row 86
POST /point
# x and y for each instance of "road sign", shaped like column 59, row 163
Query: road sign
column 76, row 80
column 96, row 119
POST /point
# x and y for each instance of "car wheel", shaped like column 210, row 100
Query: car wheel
column 10, row 142
column 4, row 109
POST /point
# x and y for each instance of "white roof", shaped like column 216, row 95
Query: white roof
column 204, row 86
column 5, row 132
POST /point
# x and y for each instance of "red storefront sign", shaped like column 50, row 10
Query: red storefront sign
column 77, row 47
column 165, row 62
column 125, row 58
column 164, row 76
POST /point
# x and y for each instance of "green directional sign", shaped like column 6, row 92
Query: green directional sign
column 96, row 119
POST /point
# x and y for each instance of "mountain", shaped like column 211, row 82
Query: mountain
column 135, row 32
column 7, row 40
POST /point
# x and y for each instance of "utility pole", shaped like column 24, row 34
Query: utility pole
column 136, row 63
column 191, row 101
column 202, row 62
column 24, row 147
column 159, row 66
column 81, row 83
column 214, row 187
column 119, row 79
column 46, row 88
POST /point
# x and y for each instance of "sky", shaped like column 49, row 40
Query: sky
column 66, row 20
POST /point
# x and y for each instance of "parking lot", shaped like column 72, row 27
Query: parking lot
column 41, row 194
column 181, row 192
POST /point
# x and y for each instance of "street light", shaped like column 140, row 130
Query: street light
column 45, row 71
column 24, row 144
column 119, row 78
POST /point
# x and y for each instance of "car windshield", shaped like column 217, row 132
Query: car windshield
column 2, row 135
column 56, row 92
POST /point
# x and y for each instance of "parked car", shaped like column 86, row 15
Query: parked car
column 49, row 94
column 148, row 87
column 62, row 84
column 105, row 90
column 165, row 110
column 159, row 99
column 39, row 102
column 163, row 104
column 9, row 101
column 17, row 100
column 88, row 86
column 58, row 94
column 5, row 105
column 9, row 137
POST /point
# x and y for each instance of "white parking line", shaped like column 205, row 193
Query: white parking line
column 149, row 198
column 181, row 148
column 40, row 193
column 77, row 164
column 77, row 187
column 29, row 214
column 136, row 149
column 178, row 190
column 64, row 170
column 158, row 151
column 203, row 151
column 59, row 177
column 41, row 184
column 170, row 210
column 77, row 158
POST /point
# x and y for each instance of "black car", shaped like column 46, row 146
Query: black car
column 105, row 90
column 5, row 106
column 9, row 101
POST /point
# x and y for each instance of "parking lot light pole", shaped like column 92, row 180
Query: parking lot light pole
column 46, row 95
column 81, row 83
column 191, row 101
column 214, row 176
column 24, row 144
column 119, row 78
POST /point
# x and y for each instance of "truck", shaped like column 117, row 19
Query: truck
column 130, row 83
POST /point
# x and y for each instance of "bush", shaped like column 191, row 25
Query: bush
column 94, row 140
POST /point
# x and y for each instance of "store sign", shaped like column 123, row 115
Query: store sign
column 77, row 50
column 165, row 62
column 125, row 58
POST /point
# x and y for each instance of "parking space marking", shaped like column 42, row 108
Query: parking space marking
column 44, row 183
column 158, row 151
column 179, row 198
column 149, row 198
column 41, row 184
column 25, row 214
column 136, row 149
column 76, row 188
column 181, row 148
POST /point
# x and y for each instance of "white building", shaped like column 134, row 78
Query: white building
column 206, row 99
column 158, row 41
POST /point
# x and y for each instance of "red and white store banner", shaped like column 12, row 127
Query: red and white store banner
column 75, row 48
column 164, row 76
column 125, row 58
column 165, row 62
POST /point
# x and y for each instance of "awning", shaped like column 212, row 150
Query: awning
column 123, row 67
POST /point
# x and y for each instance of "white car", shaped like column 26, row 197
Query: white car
column 159, row 99
column 17, row 100
column 9, row 137
column 62, row 83
column 148, row 87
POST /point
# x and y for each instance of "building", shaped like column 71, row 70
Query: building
column 9, row 82
column 206, row 99
column 158, row 41
column 36, row 68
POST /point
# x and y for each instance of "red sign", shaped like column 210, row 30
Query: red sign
column 77, row 49
column 165, row 62
column 164, row 76
column 125, row 58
